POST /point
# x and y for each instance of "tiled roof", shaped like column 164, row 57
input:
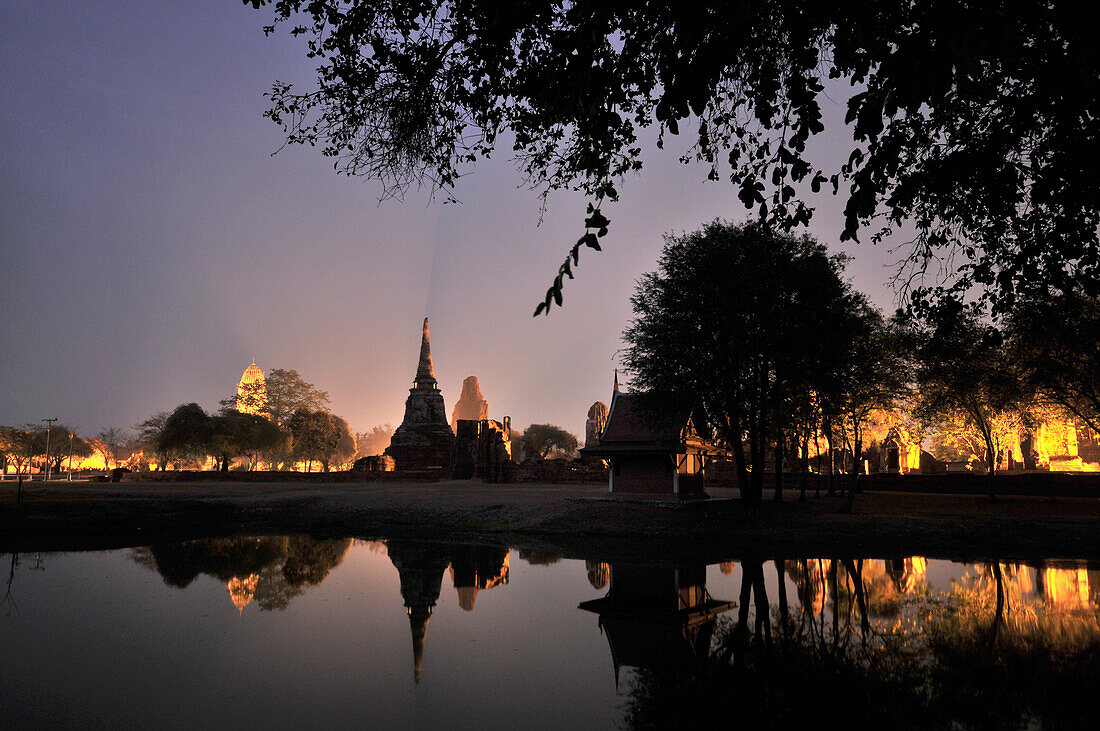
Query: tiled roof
column 630, row 422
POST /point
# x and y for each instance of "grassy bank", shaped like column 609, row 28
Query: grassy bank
column 576, row 521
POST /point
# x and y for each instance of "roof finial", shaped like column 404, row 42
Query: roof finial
column 616, row 388
column 425, row 374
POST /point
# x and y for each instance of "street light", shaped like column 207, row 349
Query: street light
column 71, row 435
column 49, row 423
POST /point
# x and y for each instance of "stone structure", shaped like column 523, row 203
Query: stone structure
column 252, row 391
column 481, row 449
column 593, row 427
column 471, row 405
column 424, row 440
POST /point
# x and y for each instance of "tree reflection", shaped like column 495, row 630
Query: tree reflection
column 1006, row 646
column 270, row 570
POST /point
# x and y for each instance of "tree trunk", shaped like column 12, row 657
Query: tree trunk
column 805, row 445
column 856, row 572
column 817, row 448
column 991, row 456
column 739, row 459
column 778, row 496
column 782, row 589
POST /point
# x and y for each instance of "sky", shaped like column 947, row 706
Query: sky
column 152, row 243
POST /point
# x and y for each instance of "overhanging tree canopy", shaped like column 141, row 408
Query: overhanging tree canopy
column 976, row 122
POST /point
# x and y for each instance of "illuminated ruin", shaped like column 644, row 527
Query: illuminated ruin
column 252, row 391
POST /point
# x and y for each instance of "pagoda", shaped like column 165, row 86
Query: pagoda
column 425, row 439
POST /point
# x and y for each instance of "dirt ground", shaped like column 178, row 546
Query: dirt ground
column 576, row 521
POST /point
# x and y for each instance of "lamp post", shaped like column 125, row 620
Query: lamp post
column 49, row 424
column 71, row 436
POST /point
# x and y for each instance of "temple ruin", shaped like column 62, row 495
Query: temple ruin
column 424, row 440
column 471, row 405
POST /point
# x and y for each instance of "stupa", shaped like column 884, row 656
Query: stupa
column 252, row 391
column 424, row 440
column 471, row 405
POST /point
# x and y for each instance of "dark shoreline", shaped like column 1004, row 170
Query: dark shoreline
column 575, row 521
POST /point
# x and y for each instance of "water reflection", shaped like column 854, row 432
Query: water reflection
column 900, row 642
column 269, row 570
column 656, row 614
column 1004, row 645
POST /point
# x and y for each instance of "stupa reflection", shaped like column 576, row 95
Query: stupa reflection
column 420, row 567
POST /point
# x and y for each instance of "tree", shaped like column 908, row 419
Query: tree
column 18, row 446
column 76, row 448
column 316, row 435
column 962, row 373
column 373, row 442
column 874, row 374
column 187, row 435
column 543, row 440
column 108, row 443
column 236, row 434
column 1055, row 339
column 742, row 323
column 288, row 392
column 149, row 434
column 416, row 95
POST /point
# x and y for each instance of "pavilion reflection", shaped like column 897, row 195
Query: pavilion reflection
column 655, row 614
column 270, row 570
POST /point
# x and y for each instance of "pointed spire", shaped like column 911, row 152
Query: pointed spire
column 418, row 622
column 616, row 387
column 425, row 374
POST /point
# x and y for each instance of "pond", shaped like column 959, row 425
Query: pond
column 283, row 632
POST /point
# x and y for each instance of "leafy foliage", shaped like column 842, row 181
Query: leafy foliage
column 755, row 328
column 288, row 392
column 320, row 436
column 374, row 441
column 979, row 128
column 187, row 435
column 1055, row 339
column 545, row 440
column 963, row 371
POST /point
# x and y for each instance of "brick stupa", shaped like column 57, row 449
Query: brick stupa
column 424, row 440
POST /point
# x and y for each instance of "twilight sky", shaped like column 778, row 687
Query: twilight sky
column 151, row 245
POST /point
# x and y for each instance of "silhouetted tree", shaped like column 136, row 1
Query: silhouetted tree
column 148, row 437
column 235, row 434
column 874, row 372
column 962, row 368
column 187, row 435
column 741, row 322
column 288, row 392
column 316, row 436
column 1055, row 339
column 978, row 128
column 544, row 440
column 108, row 443
column 77, row 448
